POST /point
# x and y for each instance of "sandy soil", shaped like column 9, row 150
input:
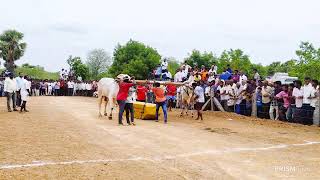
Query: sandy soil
column 63, row 138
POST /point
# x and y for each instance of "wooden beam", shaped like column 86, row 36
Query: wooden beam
column 205, row 105
column 161, row 82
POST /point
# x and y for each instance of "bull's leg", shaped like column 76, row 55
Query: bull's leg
column 192, row 109
column 186, row 106
column 112, row 104
column 100, row 103
column 182, row 110
column 105, row 106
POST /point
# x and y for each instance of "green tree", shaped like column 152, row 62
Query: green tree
column 308, row 63
column 78, row 67
column 98, row 61
column 237, row 60
column 173, row 65
column 11, row 48
column 135, row 59
column 199, row 59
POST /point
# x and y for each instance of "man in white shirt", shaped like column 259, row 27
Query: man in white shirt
column 10, row 88
column 129, row 106
column 25, row 92
column 186, row 68
column 89, row 89
column 164, row 65
column 19, row 81
column 243, row 77
column 70, row 88
column 307, row 110
column 224, row 96
column 190, row 81
column 256, row 76
column 297, row 94
column 178, row 76
column 212, row 72
column 200, row 100
column 82, row 87
column 231, row 91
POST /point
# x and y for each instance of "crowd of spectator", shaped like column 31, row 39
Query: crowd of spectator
column 296, row 102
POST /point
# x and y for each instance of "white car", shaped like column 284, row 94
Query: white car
column 284, row 78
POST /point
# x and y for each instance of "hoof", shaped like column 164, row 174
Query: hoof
column 110, row 117
column 105, row 114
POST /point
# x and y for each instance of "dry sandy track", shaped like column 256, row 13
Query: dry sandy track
column 65, row 139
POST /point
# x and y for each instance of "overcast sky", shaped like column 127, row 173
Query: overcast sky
column 267, row 30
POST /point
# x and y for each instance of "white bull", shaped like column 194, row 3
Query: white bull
column 187, row 99
column 108, row 89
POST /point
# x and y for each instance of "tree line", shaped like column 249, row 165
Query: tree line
column 137, row 59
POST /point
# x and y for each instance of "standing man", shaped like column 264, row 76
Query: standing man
column 24, row 94
column 199, row 97
column 10, row 88
column 307, row 110
column 171, row 94
column 19, row 81
column 70, row 87
column 160, row 101
column 164, row 65
column 242, row 77
column 274, row 105
column 266, row 92
column 89, row 89
column 1, row 87
column 122, row 96
column 158, row 72
column 142, row 91
column 256, row 76
column 129, row 106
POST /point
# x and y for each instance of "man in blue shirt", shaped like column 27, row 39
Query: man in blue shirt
column 229, row 69
column 158, row 72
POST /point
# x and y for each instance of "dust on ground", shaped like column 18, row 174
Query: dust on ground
column 63, row 138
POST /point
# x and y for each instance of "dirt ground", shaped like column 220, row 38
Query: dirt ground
column 63, row 138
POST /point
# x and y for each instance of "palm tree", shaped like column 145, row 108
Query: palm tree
column 11, row 49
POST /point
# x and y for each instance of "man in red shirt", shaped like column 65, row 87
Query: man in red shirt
column 171, row 95
column 124, row 87
column 141, row 93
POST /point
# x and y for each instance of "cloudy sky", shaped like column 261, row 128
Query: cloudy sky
column 267, row 30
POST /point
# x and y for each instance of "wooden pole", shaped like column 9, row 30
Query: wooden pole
column 211, row 100
column 161, row 82
column 205, row 105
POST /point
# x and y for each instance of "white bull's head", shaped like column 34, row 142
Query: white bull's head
column 121, row 77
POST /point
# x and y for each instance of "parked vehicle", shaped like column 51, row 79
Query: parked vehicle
column 284, row 78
